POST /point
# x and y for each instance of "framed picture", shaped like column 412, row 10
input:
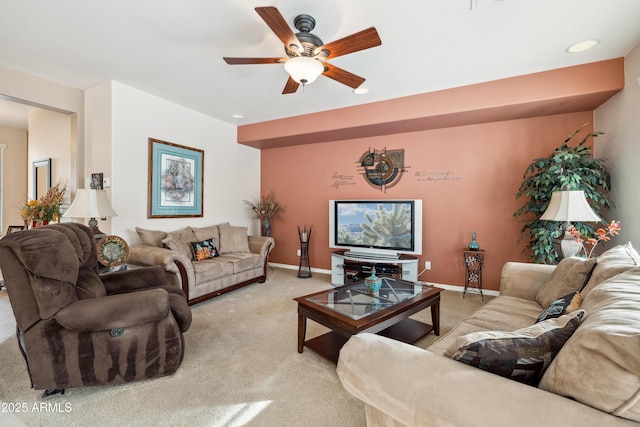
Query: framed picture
column 175, row 180
column 96, row 181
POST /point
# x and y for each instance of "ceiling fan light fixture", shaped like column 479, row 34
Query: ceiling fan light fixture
column 303, row 69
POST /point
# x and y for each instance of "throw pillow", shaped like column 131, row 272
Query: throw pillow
column 522, row 355
column 614, row 261
column 567, row 304
column 151, row 237
column 204, row 250
column 180, row 241
column 569, row 276
column 233, row 239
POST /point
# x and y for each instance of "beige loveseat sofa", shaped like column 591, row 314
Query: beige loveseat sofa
column 231, row 259
column 594, row 380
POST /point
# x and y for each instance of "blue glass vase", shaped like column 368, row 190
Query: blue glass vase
column 373, row 282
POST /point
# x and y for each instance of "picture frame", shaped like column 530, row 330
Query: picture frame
column 96, row 181
column 176, row 180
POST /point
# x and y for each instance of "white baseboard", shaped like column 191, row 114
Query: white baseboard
column 438, row 285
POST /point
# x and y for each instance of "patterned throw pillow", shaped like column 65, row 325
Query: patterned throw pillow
column 564, row 305
column 204, row 250
column 522, row 355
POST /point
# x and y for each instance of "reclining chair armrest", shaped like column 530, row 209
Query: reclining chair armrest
column 523, row 279
column 114, row 311
column 134, row 279
column 416, row 387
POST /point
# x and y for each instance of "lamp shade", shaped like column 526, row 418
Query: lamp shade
column 569, row 206
column 303, row 69
column 90, row 203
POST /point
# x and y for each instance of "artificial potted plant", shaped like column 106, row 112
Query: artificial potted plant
column 566, row 168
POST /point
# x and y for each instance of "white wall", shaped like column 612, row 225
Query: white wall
column 619, row 119
column 14, row 174
column 51, row 135
column 231, row 170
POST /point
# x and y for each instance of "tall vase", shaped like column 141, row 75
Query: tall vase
column 265, row 229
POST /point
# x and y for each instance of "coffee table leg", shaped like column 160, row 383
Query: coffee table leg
column 435, row 318
column 302, row 329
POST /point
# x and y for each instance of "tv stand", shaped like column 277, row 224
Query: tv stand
column 348, row 268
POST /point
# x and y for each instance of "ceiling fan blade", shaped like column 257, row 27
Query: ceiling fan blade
column 241, row 61
column 342, row 76
column 291, row 86
column 364, row 39
column 278, row 25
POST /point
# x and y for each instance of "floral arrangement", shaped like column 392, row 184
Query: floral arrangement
column 47, row 208
column 602, row 234
column 266, row 208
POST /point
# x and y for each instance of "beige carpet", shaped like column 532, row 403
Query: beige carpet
column 241, row 367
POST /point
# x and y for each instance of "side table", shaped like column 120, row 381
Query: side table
column 473, row 262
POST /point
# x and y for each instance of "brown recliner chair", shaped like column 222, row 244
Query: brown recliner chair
column 77, row 328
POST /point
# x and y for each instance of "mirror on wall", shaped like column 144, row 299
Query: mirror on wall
column 41, row 177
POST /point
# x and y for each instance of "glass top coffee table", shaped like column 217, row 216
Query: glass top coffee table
column 351, row 309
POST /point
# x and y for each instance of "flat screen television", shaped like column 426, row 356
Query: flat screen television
column 376, row 228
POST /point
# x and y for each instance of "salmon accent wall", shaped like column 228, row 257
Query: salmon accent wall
column 465, row 149
column 466, row 176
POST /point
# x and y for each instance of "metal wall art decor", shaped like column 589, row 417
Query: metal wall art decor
column 382, row 168
column 176, row 180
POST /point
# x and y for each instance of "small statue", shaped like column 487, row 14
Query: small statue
column 473, row 245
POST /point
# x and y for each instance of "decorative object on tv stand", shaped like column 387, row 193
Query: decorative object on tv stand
column 567, row 207
column 266, row 209
column 473, row 246
column 304, row 272
column 91, row 204
column 382, row 168
column 566, row 168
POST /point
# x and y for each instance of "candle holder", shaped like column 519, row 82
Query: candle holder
column 304, row 272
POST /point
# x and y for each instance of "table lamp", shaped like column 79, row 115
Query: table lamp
column 90, row 203
column 568, row 206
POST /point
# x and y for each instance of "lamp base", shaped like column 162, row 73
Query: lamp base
column 97, row 234
column 566, row 246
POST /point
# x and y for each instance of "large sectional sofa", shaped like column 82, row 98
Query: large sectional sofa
column 508, row 365
column 205, row 261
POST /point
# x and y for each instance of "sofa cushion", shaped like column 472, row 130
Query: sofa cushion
column 611, row 262
column 503, row 313
column 211, row 269
column 233, row 239
column 242, row 261
column 564, row 305
column 205, row 233
column 180, row 241
column 204, row 249
column 569, row 276
column 600, row 365
column 522, row 355
column 151, row 237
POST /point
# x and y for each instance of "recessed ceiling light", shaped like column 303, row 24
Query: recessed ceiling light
column 582, row 46
column 361, row 90
column 237, row 116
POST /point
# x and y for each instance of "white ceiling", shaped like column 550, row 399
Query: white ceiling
column 174, row 49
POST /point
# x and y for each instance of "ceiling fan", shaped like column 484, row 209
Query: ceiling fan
column 307, row 54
